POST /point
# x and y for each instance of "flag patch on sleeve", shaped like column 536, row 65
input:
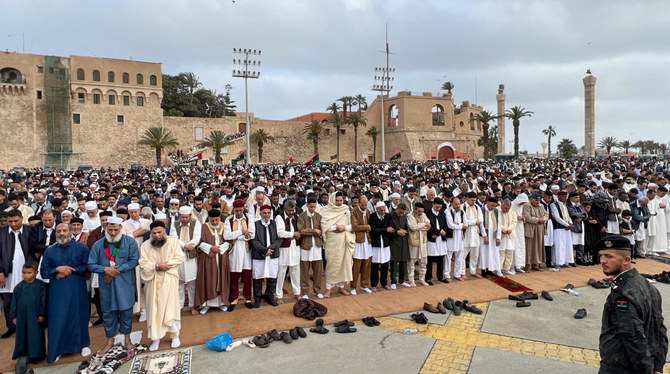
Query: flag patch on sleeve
column 622, row 304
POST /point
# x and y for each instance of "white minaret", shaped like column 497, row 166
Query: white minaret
column 500, row 98
column 589, row 114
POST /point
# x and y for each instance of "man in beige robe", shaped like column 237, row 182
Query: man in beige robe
column 135, row 227
column 418, row 237
column 160, row 258
column 508, row 220
column 339, row 244
column 535, row 218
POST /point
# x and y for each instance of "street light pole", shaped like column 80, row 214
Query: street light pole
column 383, row 85
column 246, row 74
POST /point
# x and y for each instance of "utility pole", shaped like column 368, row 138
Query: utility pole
column 246, row 74
column 383, row 85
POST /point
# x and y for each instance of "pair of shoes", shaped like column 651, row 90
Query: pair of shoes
column 519, row 270
column 393, row 287
column 204, row 310
column 547, row 296
column 371, row 321
column 598, row 284
column 274, row 335
column 342, row 323
column 458, row 306
column 261, row 341
column 286, row 337
column 270, row 300
column 343, row 329
column 430, row 308
column 471, row 308
column 449, row 303
column 419, row 318
column 441, row 308
column 319, row 329
column 522, row 304
column 352, row 292
column 515, row 297
column 405, row 284
column 527, row 295
column 366, row 290
column 581, row 313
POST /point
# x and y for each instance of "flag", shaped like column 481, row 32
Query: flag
column 365, row 161
column 314, row 160
column 332, row 157
column 395, row 156
column 237, row 159
column 290, row 161
column 196, row 157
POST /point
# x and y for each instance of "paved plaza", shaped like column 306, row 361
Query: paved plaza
column 504, row 339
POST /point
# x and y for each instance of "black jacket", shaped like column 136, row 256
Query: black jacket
column 433, row 230
column 641, row 214
column 7, row 248
column 633, row 338
column 378, row 230
column 37, row 240
column 259, row 249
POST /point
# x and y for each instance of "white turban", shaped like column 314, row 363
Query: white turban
column 379, row 205
column 91, row 205
column 174, row 201
column 185, row 210
column 395, row 195
column 115, row 220
column 160, row 216
column 132, row 206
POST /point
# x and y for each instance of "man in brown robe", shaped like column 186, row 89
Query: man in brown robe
column 212, row 284
column 534, row 229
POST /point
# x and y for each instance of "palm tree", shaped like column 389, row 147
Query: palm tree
column 515, row 113
column 216, row 141
column 158, row 138
column 336, row 120
column 448, row 86
column 261, row 137
column 362, row 103
column 313, row 130
column 625, row 145
column 639, row 145
column 608, row 143
column 356, row 120
column 549, row 132
column 372, row 132
column 192, row 82
column 484, row 117
column 567, row 148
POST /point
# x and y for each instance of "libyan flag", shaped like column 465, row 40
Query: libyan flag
column 332, row 157
column 314, row 160
column 196, row 157
column 237, row 159
column 395, row 156
column 290, row 161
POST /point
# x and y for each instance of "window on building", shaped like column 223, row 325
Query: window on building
column 126, row 78
column 198, row 134
column 112, row 99
column 140, row 101
column 140, row 79
column 479, row 126
column 119, row 120
column 76, row 118
column 96, row 98
column 81, row 98
column 153, row 80
column 51, row 70
column 438, row 115
column 40, row 69
column 96, row 75
column 110, row 77
column 126, row 100
column 462, row 124
column 39, row 95
column 80, row 74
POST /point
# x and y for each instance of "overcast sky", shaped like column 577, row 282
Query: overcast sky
column 316, row 51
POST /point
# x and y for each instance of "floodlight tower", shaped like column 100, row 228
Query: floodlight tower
column 382, row 84
column 241, row 70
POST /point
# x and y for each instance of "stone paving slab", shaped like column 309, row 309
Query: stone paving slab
column 487, row 360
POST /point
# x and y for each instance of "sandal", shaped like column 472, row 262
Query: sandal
column 345, row 329
column 249, row 343
column 233, row 345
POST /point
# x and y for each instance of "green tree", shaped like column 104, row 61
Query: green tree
column 217, row 141
column 261, row 137
column 372, row 132
column 355, row 120
column 192, row 82
column 625, row 145
column 484, row 117
column 608, row 143
column 549, row 132
column 158, row 138
column 515, row 113
column 567, row 148
column 313, row 130
column 448, row 86
column 362, row 104
column 489, row 141
column 336, row 120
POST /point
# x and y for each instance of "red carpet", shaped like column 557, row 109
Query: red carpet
column 508, row 284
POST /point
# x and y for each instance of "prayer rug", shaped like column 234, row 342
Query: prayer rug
column 508, row 284
column 110, row 361
column 172, row 362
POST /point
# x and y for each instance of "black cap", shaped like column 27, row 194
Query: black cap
column 617, row 242
column 155, row 224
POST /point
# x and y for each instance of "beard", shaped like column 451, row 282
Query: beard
column 113, row 239
column 157, row 243
column 173, row 210
column 64, row 241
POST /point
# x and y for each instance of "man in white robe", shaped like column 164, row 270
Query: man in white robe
column 160, row 258
column 289, row 251
column 562, row 251
column 456, row 221
column 239, row 230
column 136, row 227
column 519, row 235
column 489, row 254
column 187, row 231
column 658, row 242
column 508, row 225
column 339, row 244
column 665, row 200
column 475, row 221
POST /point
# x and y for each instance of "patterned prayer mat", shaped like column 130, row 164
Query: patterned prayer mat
column 111, row 361
column 508, row 284
column 172, row 362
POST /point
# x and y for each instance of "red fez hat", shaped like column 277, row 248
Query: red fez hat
column 266, row 206
column 562, row 193
column 238, row 204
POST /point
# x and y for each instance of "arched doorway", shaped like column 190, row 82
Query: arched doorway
column 445, row 151
column 393, row 114
column 242, row 127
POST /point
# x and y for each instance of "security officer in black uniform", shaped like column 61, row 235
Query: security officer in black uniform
column 633, row 338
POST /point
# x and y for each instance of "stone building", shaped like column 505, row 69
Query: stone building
column 77, row 110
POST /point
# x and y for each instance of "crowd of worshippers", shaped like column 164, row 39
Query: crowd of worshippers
column 154, row 241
